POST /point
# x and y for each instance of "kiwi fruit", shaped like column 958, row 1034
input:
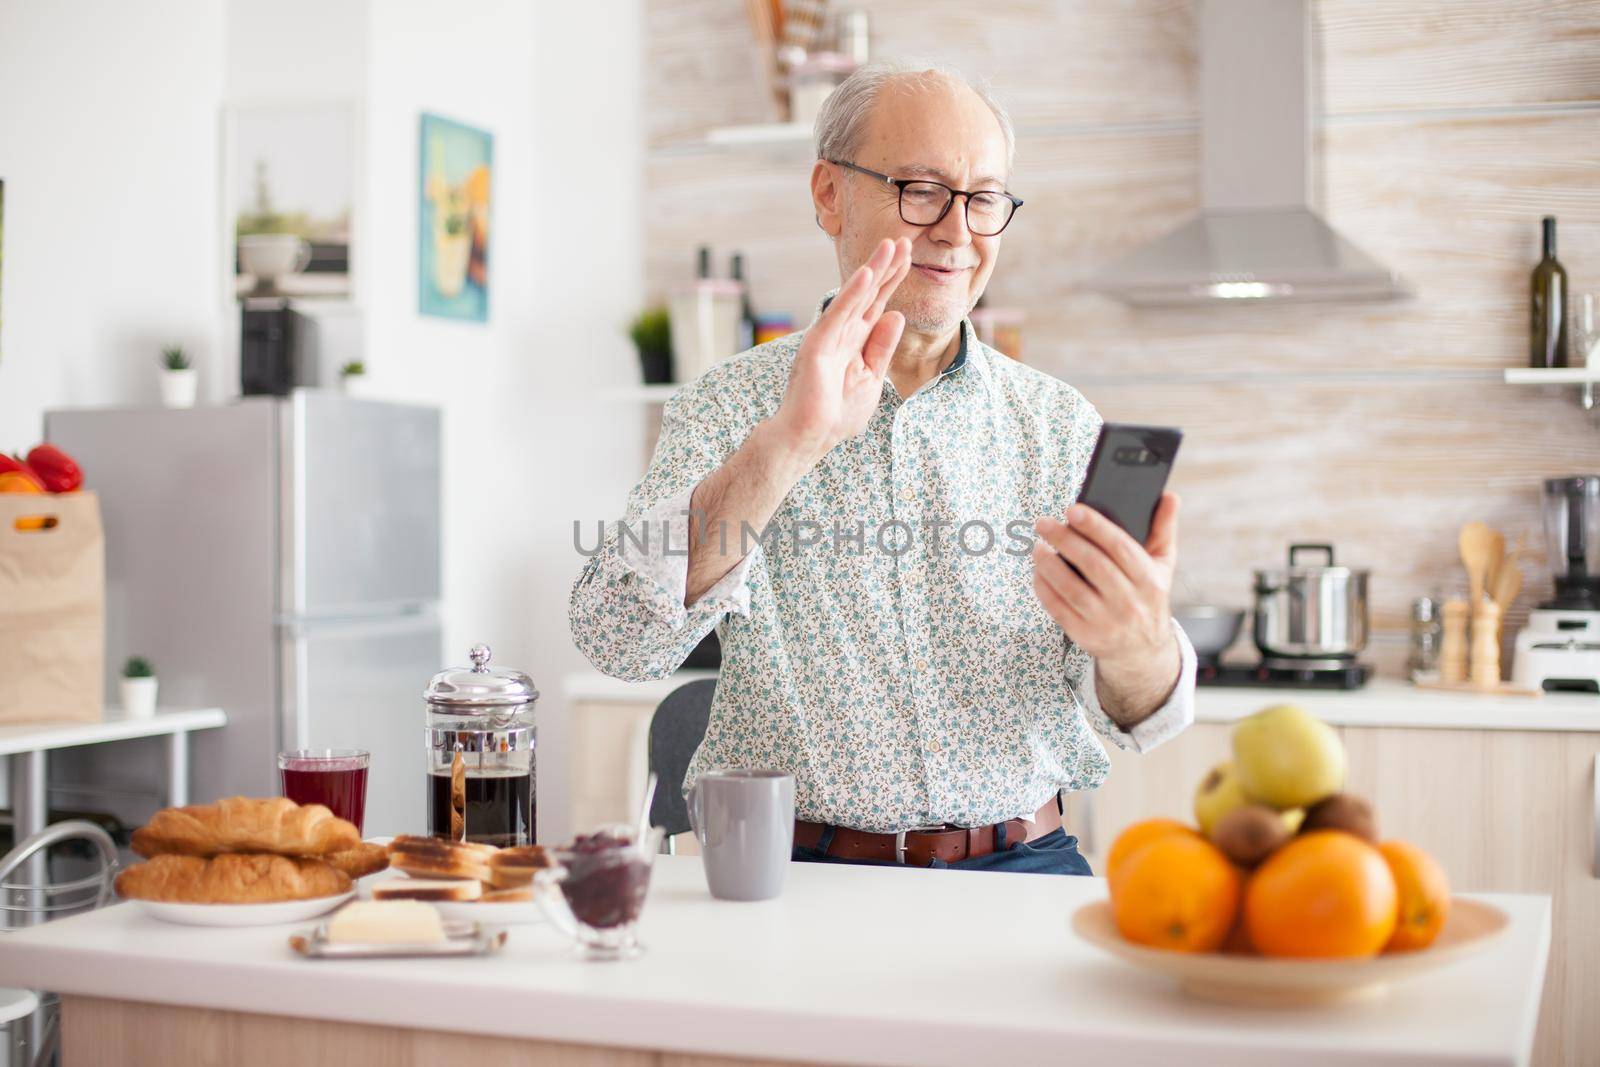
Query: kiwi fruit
column 1341, row 811
column 1248, row 834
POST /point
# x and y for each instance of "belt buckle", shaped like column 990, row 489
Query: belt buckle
column 900, row 839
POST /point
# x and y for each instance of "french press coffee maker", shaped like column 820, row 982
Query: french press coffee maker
column 481, row 764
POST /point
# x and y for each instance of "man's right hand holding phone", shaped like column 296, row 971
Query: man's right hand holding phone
column 1118, row 607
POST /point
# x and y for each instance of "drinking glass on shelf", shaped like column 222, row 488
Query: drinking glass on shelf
column 1586, row 334
column 333, row 777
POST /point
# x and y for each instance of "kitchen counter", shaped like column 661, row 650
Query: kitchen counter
column 854, row 964
column 1389, row 702
column 1381, row 702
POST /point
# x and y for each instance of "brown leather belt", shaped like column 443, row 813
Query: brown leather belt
column 921, row 846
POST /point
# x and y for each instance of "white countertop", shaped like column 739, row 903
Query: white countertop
column 1389, row 702
column 592, row 685
column 1381, row 702
column 37, row 736
column 853, row 964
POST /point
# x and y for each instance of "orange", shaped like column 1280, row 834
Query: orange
column 22, row 482
column 1424, row 895
column 18, row 482
column 1324, row 894
column 1178, row 892
column 1138, row 835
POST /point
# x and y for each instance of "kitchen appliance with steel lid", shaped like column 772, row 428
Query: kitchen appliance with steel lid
column 1559, row 649
column 1310, row 627
column 1310, row 611
column 480, row 748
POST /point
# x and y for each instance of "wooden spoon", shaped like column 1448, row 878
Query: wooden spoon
column 1497, row 560
column 1477, row 551
column 1507, row 584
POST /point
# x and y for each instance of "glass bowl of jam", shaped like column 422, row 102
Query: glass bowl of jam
column 596, row 890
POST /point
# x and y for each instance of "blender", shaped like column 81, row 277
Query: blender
column 1559, row 649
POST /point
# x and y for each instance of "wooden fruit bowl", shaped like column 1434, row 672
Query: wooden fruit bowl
column 1260, row 980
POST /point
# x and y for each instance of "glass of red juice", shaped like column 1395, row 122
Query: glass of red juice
column 333, row 777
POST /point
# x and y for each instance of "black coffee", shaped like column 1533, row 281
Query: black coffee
column 499, row 808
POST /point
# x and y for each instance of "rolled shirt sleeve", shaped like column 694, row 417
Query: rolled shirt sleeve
column 1167, row 722
column 626, row 611
column 662, row 569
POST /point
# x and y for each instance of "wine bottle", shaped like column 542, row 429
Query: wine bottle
column 747, row 318
column 702, row 262
column 1549, row 305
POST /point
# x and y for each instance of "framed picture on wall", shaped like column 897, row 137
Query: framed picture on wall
column 289, row 192
column 453, row 219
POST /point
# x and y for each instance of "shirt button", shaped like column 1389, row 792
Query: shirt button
column 907, row 493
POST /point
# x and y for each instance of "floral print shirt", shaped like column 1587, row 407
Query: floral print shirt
column 881, row 641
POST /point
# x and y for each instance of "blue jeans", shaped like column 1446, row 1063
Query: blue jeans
column 1054, row 853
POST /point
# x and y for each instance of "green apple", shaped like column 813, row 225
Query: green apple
column 1219, row 793
column 1287, row 758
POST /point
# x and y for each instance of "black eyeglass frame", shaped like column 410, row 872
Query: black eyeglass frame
column 900, row 190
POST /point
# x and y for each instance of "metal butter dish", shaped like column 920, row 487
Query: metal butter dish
column 461, row 939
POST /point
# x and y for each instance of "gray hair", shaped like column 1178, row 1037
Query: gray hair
column 842, row 122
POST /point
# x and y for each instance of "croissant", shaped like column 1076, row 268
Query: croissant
column 360, row 861
column 231, row 879
column 241, row 824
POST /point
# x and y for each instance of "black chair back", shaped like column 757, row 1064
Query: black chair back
column 676, row 730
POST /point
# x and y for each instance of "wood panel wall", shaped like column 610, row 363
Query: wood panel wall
column 1447, row 128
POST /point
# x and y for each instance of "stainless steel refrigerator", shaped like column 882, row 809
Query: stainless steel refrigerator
column 277, row 558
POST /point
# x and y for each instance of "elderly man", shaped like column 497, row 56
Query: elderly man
column 864, row 497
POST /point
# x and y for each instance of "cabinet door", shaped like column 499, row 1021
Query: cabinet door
column 1160, row 782
column 609, row 760
column 1504, row 811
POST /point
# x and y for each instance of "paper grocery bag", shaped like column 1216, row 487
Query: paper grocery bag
column 52, row 608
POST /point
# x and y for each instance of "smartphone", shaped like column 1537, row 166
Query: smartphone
column 1127, row 473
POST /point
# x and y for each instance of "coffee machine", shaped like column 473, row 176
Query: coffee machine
column 1559, row 649
column 273, row 356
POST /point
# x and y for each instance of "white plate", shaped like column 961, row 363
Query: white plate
column 511, row 914
column 283, row 911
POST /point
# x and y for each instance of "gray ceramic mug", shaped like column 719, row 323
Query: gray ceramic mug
column 743, row 818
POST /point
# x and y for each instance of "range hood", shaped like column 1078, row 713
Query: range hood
column 1256, row 236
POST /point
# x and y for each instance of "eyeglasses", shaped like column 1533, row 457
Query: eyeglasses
column 925, row 203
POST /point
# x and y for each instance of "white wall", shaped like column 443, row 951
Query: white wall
column 108, row 139
column 583, row 454
column 528, row 449
column 296, row 50
column 109, row 144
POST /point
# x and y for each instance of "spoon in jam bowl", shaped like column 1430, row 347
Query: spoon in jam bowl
column 643, row 822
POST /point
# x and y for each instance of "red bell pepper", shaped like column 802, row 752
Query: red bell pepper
column 12, row 463
column 58, row 471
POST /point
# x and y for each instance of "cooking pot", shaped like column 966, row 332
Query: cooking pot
column 1309, row 612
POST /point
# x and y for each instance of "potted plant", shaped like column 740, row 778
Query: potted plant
column 353, row 378
column 138, row 688
column 652, row 336
column 178, row 378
